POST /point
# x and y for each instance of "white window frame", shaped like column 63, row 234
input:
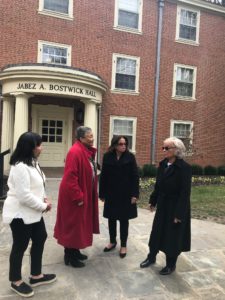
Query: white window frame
column 182, row 40
column 187, row 98
column 134, row 119
column 40, row 49
column 191, row 123
column 124, row 28
column 56, row 14
column 113, row 80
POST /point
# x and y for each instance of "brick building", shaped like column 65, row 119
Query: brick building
column 142, row 68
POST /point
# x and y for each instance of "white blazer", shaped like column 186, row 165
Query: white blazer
column 25, row 198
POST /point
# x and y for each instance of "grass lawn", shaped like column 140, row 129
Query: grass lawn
column 207, row 202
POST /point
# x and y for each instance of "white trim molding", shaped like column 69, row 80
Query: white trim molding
column 127, row 28
column 189, row 150
column 56, row 45
column 180, row 97
column 133, row 135
column 113, row 80
column 178, row 20
column 56, row 14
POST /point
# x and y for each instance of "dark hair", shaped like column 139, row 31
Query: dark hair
column 27, row 142
column 115, row 141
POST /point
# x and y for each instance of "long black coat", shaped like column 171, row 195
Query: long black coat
column 172, row 198
column 119, row 181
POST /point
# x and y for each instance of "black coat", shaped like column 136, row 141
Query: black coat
column 119, row 181
column 172, row 198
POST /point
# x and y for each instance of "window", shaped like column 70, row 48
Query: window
column 184, row 82
column 184, row 131
column 54, row 53
column 52, row 131
column 125, row 73
column 57, row 8
column 187, row 25
column 128, row 15
column 124, row 126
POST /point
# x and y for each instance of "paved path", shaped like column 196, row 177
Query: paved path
column 200, row 274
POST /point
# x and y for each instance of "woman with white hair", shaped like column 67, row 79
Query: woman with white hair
column 171, row 232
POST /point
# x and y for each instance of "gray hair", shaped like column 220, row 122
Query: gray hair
column 180, row 148
column 81, row 131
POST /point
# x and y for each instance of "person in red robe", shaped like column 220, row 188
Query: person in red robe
column 77, row 211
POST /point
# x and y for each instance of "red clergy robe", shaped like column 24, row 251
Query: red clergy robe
column 75, row 224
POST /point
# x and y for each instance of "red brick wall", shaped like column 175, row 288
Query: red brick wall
column 94, row 40
column 208, row 111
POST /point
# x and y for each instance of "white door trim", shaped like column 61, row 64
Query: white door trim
column 54, row 111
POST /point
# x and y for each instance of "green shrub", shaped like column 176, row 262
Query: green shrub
column 197, row 169
column 149, row 170
column 210, row 170
column 140, row 172
column 221, row 170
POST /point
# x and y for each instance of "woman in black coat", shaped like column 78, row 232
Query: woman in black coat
column 119, row 189
column 171, row 226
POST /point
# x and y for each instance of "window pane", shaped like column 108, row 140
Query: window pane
column 184, row 89
column 59, row 123
column 52, row 123
column 44, row 138
column 182, row 130
column 51, row 138
column 187, row 32
column 52, row 130
column 61, row 6
column 53, row 54
column 44, row 130
column 58, row 139
column 123, row 127
column 185, row 75
column 126, row 66
column 126, row 82
column 129, row 5
column 188, row 17
column 128, row 19
column 44, row 122
column 59, row 131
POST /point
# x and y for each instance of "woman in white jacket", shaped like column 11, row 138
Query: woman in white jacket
column 26, row 201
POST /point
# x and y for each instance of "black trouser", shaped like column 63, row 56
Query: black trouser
column 170, row 260
column 22, row 233
column 124, row 224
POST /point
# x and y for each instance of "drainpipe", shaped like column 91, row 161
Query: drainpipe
column 99, row 135
column 157, row 77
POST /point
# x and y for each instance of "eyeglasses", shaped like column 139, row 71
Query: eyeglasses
column 122, row 144
column 167, row 148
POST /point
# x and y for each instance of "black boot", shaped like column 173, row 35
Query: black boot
column 79, row 255
column 70, row 259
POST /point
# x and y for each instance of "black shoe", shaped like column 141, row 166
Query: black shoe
column 122, row 255
column 46, row 279
column 167, row 270
column 79, row 255
column 147, row 262
column 74, row 262
column 106, row 249
column 23, row 290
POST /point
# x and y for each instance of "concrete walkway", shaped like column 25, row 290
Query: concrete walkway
column 200, row 274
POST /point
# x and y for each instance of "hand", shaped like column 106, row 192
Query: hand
column 80, row 203
column 176, row 221
column 151, row 208
column 133, row 200
column 49, row 205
